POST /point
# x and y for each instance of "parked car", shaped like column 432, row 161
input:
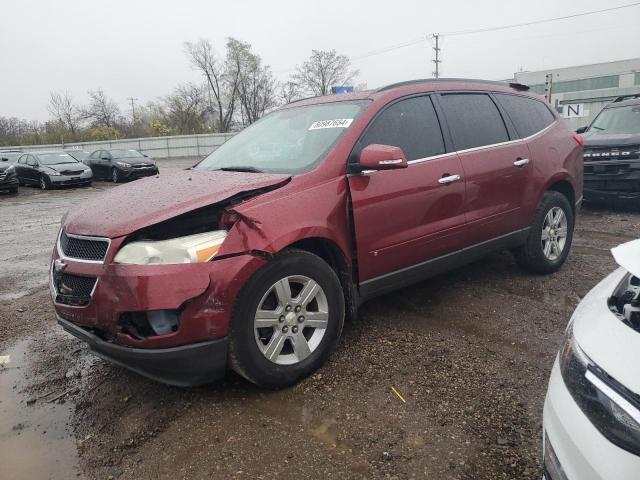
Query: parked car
column 8, row 179
column 51, row 169
column 119, row 165
column 612, row 154
column 251, row 261
column 592, row 409
column 79, row 155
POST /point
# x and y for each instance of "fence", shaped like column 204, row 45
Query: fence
column 157, row 147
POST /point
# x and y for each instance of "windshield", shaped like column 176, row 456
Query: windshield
column 78, row 154
column 125, row 154
column 55, row 158
column 286, row 141
column 618, row 120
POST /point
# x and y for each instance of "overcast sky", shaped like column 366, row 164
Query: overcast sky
column 135, row 48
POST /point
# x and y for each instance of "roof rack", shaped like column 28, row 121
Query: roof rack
column 626, row 97
column 517, row 86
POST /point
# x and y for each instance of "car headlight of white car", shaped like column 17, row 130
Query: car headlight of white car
column 611, row 408
column 197, row 248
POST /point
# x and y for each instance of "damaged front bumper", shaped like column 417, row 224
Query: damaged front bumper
column 185, row 366
column 111, row 307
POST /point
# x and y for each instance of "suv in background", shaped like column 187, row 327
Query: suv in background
column 612, row 153
column 253, row 261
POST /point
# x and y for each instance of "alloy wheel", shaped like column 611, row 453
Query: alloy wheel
column 114, row 175
column 554, row 233
column 291, row 320
column 43, row 183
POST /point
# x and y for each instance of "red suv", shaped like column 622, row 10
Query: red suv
column 253, row 258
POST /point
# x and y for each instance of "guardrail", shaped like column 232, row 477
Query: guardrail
column 157, row 147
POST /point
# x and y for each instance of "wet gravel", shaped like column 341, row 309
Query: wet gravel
column 469, row 352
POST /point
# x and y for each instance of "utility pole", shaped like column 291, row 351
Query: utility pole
column 437, row 61
column 133, row 107
column 548, row 85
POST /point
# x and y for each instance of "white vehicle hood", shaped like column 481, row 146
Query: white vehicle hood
column 628, row 256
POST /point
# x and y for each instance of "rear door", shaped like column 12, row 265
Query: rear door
column 496, row 164
column 406, row 216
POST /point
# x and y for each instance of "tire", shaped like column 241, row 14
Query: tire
column 115, row 175
column 535, row 255
column 292, row 330
column 44, row 183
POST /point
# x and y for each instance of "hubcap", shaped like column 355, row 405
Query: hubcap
column 43, row 184
column 291, row 320
column 115, row 176
column 554, row 233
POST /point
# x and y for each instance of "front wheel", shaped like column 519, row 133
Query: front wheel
column 287, row 320
column 550, row 236
column 44, row 183
column 115, row 175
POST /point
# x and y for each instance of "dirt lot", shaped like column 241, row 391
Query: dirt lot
column 470, row 351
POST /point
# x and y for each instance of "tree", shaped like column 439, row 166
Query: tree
column 256, row 85
column 102, row 111
column 323, row 70
column 222, row 83
column 63, row 110
column 186, row 108
column 289, row 91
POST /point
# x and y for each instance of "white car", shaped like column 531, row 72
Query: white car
column 592, row 409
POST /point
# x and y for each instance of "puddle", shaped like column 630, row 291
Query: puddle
column 35, row 440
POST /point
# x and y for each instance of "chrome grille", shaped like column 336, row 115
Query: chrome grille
column 83, row 248
column 73, row 289
column 612, row 153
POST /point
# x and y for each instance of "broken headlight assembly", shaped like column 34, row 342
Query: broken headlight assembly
column 625, row 301
column 609, row 406
column 197, row 248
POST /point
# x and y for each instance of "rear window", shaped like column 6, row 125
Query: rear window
column 473, row 119
column 528, row 115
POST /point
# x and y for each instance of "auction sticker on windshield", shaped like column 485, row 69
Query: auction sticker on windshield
column 335, row 123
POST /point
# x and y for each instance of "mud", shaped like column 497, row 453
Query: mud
column 470, row 352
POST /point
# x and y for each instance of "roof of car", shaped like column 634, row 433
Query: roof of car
column 624, row 101
column 410, row 86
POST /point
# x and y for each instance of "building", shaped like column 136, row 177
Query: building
column 580, row 92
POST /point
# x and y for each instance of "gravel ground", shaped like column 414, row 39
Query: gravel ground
column 470, row 351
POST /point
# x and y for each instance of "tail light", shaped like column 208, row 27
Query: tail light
column 579, row 139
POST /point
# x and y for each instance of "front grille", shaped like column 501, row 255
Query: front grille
column 71, row 173
column 83, row 248
column 612, row 153
column 73, row 289
column 142, row 165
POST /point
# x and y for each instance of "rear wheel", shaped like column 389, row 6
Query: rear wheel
column 115, row 175
column 287, row 320
column 550, row 236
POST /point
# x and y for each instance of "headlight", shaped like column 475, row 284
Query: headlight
column 611, row 408
column 201, row 247
column 124, row 164
column 53, row 173
column 10, row 169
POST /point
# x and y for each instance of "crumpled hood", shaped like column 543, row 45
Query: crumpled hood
column 130, row 207
column 595, row 138
column 628, row 256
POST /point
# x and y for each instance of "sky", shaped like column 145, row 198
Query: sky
column 134, row 48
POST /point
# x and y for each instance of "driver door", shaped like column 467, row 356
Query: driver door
column 408, row 216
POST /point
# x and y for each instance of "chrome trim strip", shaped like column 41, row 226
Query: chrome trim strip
column 83, row 237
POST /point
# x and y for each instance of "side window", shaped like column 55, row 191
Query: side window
column 410, row 124
column 31, row 160
column 94, row 154
column 528, row 115
column 23, row 159
column 473, row 119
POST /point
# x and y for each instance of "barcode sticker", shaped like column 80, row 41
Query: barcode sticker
column 335, row 123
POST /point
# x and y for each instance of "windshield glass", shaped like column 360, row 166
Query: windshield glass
column 287, row 141
column 618, row 120
column 55, row 158
column 125, row 154
column 78, row 154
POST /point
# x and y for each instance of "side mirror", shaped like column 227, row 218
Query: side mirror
column 145, row 155
column 382, row 157
column 582, row 129
column 5, row 159
column 106, row 158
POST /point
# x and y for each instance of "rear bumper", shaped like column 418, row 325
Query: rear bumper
column 9, row 183
column 184, row 366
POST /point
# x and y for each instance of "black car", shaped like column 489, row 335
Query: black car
column 612, row 154
column 8, row 178
column 51, row 169
column 119, row 165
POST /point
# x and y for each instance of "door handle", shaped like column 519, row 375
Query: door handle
column 449, row 179
column 521, row 162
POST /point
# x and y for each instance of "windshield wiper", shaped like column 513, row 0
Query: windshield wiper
column 597, row 128
column 241, row 168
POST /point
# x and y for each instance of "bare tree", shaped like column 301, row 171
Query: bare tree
column 222, row 83
column 323, row 70
column 63, row 110
column 289, row 91
column 186, row 108
column 256, row 84
column 102, row 111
